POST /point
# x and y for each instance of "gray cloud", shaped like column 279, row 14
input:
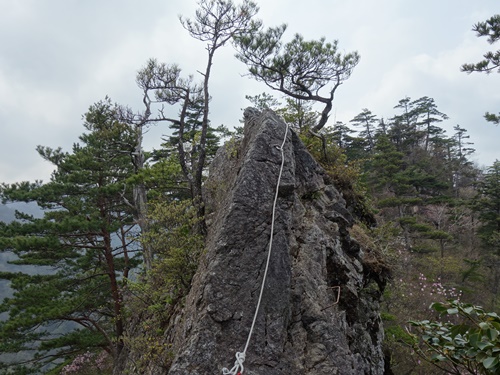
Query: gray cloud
column 59, row 57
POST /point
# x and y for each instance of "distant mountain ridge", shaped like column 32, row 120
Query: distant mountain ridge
column 7, row 214
column 8, row 211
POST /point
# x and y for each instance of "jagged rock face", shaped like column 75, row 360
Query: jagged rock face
column 300, row 329
column 304, row 325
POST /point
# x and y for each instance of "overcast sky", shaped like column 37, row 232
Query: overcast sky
column 57, row 57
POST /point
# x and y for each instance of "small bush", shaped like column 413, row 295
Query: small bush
column 471, row 346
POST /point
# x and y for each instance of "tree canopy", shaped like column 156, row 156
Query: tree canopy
column 491, row 62
column 305, row 70
column 86, row 237
column 490, row 29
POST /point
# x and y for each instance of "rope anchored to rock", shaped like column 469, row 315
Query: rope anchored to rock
column 238, row 367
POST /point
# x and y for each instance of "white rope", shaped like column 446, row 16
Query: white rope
column 240, row 356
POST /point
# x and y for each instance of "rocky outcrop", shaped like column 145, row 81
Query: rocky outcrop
column 301, row 329
column 319, row 312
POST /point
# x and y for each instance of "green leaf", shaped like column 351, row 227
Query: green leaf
column 439, row 307
column 459, row 329
column 490, row 362
column 438, row 357
column 484, row 325
column 493, row 315
column 468, row 309
column 492, row 334
column 474, row 339
column 471, row 353
column 484, row 345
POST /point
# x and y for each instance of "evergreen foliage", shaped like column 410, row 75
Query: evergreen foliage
column 303, row 70
column 162, row 290
column 86, row 236
column 216, row 22
column 299, row 114
column 367, row 121
column 487, row 204
column 490, row 29
column 422, row 185
column 263, row 101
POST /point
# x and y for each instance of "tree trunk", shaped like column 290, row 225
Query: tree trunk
column 140, row 216
column 115, row 291
column 140, row 198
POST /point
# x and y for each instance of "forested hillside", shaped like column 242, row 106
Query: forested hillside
column 436, row 212
column 437, row 216
column 123, row 228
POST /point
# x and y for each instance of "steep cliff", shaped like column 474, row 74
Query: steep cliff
column 319, row 311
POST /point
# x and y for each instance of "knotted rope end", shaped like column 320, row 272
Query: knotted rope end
column 238, row 365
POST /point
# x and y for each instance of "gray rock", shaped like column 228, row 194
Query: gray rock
column 300, row 329
column 304, row 325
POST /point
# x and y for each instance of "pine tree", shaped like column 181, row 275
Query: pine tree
column 402, row 130
column 86, row 236
column 341, row 135
column 487, row 205
column 429, row 115
column 304, row 70
column 459, row 148
column 263, row 101
column 298, row 113
column 215, row 23
column 411, row 175
column 367, row 121
column 191, row 137
column 491, row 29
